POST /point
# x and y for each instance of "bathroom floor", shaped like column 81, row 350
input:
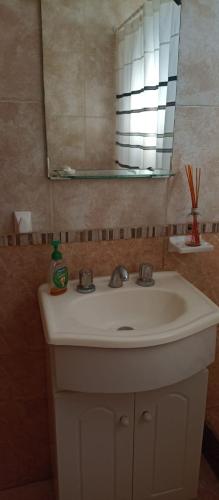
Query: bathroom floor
column 208, row 488
column 209, row 484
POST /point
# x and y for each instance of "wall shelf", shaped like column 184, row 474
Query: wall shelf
column 109, row 174
column 178, row 244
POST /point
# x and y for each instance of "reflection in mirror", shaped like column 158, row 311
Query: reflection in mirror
column 94, row 51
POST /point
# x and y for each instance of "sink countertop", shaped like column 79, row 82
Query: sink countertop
column 170, row 310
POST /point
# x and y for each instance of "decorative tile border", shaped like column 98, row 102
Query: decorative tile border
column 108, row 234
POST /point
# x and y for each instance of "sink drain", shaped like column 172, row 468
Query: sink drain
column 122, row 328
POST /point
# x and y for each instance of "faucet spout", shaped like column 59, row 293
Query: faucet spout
column 119, row 275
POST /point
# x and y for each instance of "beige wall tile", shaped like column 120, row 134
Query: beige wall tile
column 100, row 101
column 99, row 55
column 63, row 57
column 99, row 143
column 100, row 13
column 23, row 192
column 198, row 81
column 100, row 78
column 90, row 204
column 66, row 141
column 64, row 83
column 20, row 42
column 63, row 24
column 195, row 142
column 124, row 8
column 22, row 140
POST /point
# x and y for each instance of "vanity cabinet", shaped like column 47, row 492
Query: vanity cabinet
column 138, row 446
column 167, row 440
column 94, row 446
column 129, row 406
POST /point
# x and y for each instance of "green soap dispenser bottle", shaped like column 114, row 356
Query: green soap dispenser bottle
column 58, row 279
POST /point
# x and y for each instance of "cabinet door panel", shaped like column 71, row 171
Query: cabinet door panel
column 168, row 436
column 97, row 450
column 170, row 442
column 95, row 446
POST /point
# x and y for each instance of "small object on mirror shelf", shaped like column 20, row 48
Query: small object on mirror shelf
column 193, row 239
column 69, row 170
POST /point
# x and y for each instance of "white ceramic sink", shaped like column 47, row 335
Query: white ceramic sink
column 131, row 307
column 171, row 335
column 170, row 310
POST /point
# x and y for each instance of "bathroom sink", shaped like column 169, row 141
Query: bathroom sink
column 130, row 338
column 130, row 316
column 129, row 308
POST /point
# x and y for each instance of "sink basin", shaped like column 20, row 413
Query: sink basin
column 129, row 339
column 130, row 316
column 130, row 307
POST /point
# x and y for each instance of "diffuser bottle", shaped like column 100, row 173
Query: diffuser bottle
column 58, row 278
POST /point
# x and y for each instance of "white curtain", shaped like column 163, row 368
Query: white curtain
column 146, row 76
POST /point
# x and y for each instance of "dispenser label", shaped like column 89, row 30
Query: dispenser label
column 60, row 277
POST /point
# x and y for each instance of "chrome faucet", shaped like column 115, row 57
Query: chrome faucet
column 119, row 275
column 145, row 277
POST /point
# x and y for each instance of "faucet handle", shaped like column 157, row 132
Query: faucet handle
column 145, row 275
column 116, row 280
column 85, row 281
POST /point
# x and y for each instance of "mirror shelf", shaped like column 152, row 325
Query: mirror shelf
column 111, row 174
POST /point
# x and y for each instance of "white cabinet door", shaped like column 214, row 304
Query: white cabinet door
column 94, row 436
column 168, row 437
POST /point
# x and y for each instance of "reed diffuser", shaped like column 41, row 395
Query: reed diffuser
column 194, row 178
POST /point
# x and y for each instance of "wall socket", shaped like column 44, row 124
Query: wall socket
column 23, row 222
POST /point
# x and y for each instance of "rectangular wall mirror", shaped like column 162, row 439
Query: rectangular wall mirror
column 110, row 78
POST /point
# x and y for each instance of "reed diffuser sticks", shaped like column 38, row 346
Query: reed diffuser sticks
column 194, row 180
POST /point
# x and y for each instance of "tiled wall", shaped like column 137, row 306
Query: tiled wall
column 78, row 205
column 197, row 114
column 87, row 204
column 22, row 139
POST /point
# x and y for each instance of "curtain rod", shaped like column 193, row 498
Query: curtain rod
column 178, row 2
column 129, row 18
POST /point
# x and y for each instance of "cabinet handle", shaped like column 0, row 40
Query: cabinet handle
column 146, row 415
column 124, row 421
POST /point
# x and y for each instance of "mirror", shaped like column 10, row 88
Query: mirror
column 110, row 75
